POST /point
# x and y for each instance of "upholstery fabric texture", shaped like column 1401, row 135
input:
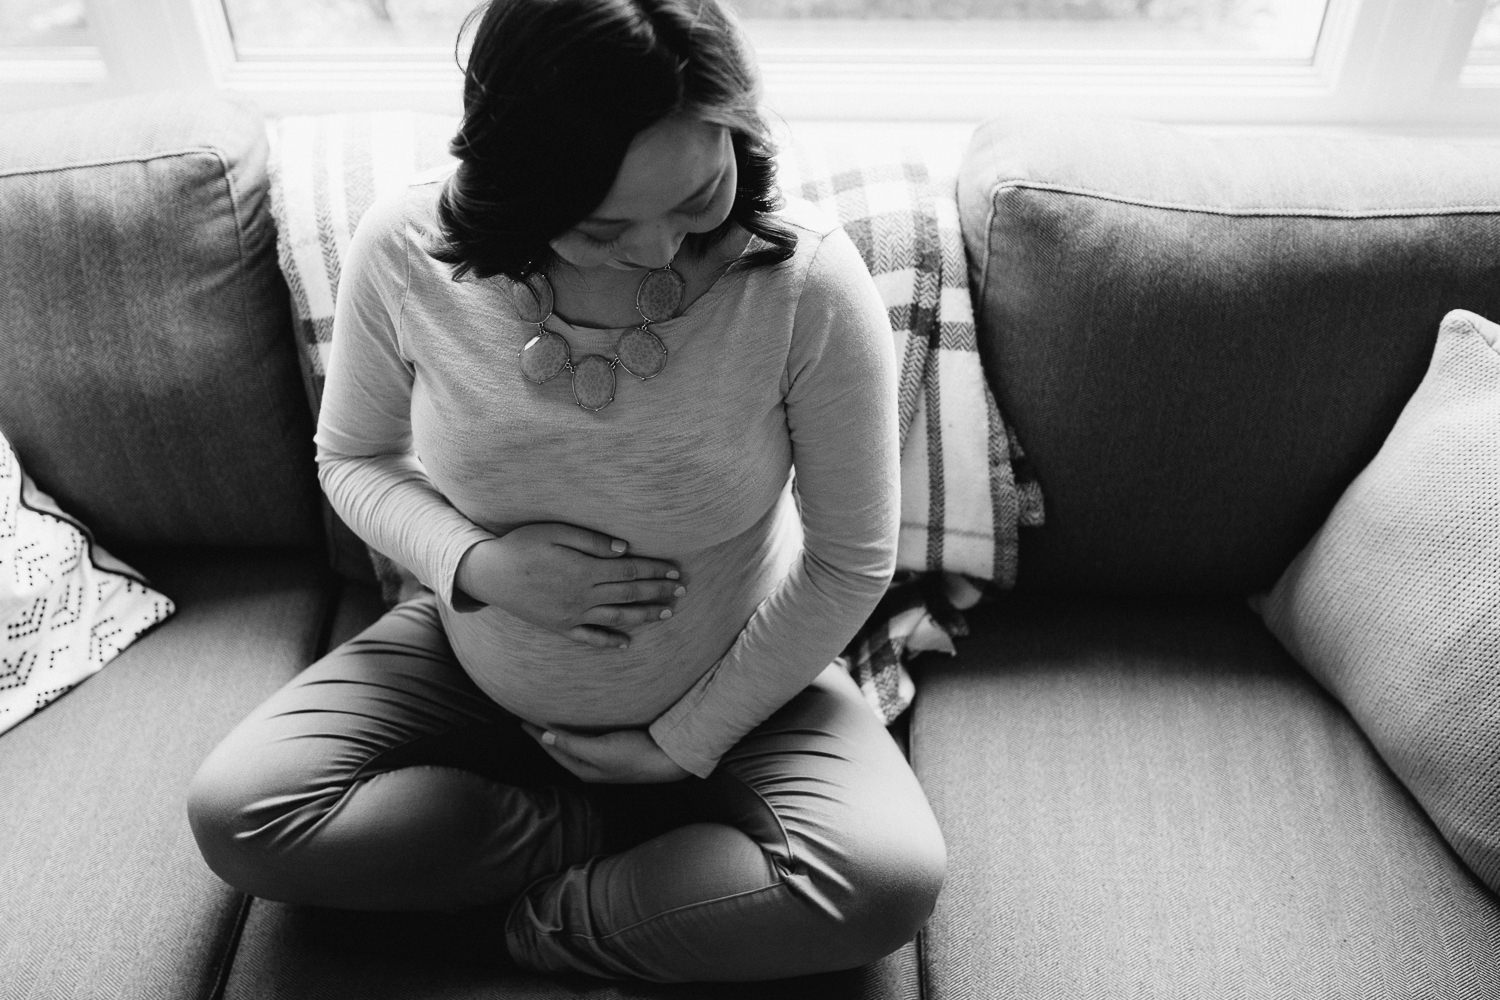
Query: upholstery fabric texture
column 102, row 892
column 1149, row 798
column 966, row 486
column 1168, row 313
column 147, row 379
column 1394, row 606
column 68, row 606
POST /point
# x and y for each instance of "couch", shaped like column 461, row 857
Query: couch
column 1201, row 340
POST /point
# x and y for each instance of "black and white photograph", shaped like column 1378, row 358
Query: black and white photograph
column 750, row 499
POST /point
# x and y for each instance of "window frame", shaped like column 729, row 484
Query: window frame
column 1398, row 64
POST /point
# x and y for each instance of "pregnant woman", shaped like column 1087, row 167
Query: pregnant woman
column 631, row 422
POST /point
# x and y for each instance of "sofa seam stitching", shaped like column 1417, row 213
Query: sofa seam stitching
column 920, row 943
column 116, row 161
column 232, row 949
column 1269, row 211
column 989, row 241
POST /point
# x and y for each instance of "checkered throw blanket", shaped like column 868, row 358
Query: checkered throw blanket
column 965, row 484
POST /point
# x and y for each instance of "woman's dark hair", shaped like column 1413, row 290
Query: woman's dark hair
column 554, row 93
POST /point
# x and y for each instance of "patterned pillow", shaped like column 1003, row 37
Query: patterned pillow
column 965, row 484
column 1394, row 606
column 68, row 606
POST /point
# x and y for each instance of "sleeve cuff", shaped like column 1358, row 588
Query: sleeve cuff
column 447, row 579
column 686, row 756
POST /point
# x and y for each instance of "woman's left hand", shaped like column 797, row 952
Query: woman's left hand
column 625, row 756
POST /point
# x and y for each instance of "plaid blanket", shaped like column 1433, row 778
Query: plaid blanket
column 965, row 484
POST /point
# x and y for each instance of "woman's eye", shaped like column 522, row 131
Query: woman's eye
column 708, row 206
column 597, row 242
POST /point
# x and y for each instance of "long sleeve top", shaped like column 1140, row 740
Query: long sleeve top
column 762, row 460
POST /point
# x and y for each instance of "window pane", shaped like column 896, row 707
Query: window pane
column 40, row 27
column 345, row 24
column 1269, row 28
column 1283, row 29
column 1486, row 48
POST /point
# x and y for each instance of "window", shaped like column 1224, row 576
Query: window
column 1271, row 28
column 45, row 44
column 261, row 28
column 1486, row 48
column 1397, row 63
column 1276, row 29
column 44, row 28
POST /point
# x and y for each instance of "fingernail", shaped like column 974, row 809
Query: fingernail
column 679, row 592
column 617, row 546
column 672, row 574
column 666, row 613
column 549, row 738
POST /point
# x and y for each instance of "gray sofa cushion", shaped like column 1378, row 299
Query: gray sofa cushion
column 1202, row 339
column 102, row 892
column 1149, row 799
column 148, row 376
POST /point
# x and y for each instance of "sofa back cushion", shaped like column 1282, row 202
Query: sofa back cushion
column 1203, row 338
column 148, row 375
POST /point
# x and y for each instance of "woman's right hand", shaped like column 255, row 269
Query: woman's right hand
column 578, row 583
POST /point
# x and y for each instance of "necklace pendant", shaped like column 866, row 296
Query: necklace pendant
column 641, row 352
column 544, row 356
column 532, row 298
column 659, row 295
column 594, row 381
column 637, row 350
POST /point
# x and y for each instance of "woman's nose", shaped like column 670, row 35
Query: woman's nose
column 659, row 248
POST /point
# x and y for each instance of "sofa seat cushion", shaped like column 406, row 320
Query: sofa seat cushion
column 102, row 892
column 1153, row 800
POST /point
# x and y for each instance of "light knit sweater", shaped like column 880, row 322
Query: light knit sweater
column 770, row 369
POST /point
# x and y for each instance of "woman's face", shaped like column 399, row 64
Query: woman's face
column 678, row 177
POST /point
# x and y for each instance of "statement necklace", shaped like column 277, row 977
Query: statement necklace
column 637, row 350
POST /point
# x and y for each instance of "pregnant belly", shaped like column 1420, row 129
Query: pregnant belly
column 553, row 681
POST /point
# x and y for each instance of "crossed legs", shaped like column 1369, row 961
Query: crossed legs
column 381, row 779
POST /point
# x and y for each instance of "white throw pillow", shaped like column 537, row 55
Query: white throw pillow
column 1394, row 606
column 68, row 607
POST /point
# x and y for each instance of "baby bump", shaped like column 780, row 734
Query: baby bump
column 552, row 680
